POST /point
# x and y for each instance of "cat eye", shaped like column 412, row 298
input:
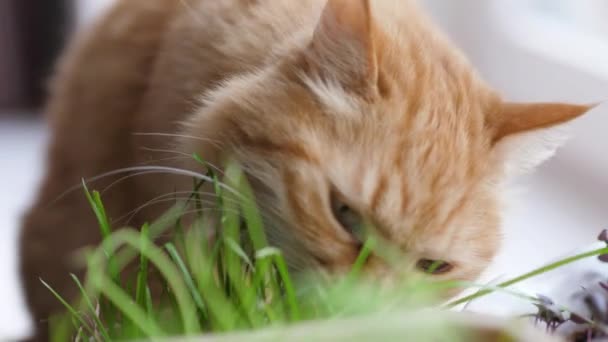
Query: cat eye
column 434, row 267
column 349, row 219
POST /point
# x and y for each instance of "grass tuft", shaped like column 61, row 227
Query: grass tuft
column 220, row 275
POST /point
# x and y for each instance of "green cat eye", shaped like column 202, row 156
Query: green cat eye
column 349, row 219
column 434, row 267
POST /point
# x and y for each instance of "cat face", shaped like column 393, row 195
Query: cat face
column 377, row 127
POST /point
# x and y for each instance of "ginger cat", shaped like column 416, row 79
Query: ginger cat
column 339, row 111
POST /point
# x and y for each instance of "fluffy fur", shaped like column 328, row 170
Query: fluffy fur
column 363, row 99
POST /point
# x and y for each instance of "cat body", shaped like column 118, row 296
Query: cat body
column 338, row 110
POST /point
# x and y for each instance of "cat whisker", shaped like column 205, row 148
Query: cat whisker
column 211, row 166
column 168, row 159
column 179, row 195
column 160, row 150
column 196, row 211
column 151, row 170
column 161, row 199
column 214, row 142
column 174, row 196
column 207, row 210
column 122, row 179
column 184, row 155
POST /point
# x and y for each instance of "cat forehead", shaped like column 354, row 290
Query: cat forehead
column 407, row 88
column 398, row 178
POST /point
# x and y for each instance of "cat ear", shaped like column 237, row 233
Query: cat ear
column 343, row 45
column 526, row 135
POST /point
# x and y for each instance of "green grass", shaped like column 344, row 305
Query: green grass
column 215, row 281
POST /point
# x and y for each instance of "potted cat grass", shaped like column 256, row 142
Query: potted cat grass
column 232, row 286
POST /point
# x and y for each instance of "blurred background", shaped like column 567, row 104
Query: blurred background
column 530, row 50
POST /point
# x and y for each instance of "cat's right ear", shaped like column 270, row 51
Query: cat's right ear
column 524, row 135
column 343, row 45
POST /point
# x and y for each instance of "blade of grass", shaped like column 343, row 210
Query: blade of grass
column 99, row 210
column 127, row 305
column 253, row 220
column 233, row 267
column 245, row 296
column 263, row 278
column 80, row 335
column 149, row 305
column 197, row 197
column 238, row 250
column 266, row 280
column 531, row 274
column 60, row 327
column 290, row 293
column 69, row 307
column 229, row 230
column 224, row 316
column 198, row 300
column 91, row 307
column 217, row 188
column 96, row 204
column 366, row 251
column 142, row 274
column 199, row 159
column 157, row 228
column 163, row 263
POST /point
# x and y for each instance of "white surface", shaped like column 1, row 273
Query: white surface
column 562, row 207
column 87, row 10
column 21, row 144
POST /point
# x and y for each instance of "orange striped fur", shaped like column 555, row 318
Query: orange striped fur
column 363, row 99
